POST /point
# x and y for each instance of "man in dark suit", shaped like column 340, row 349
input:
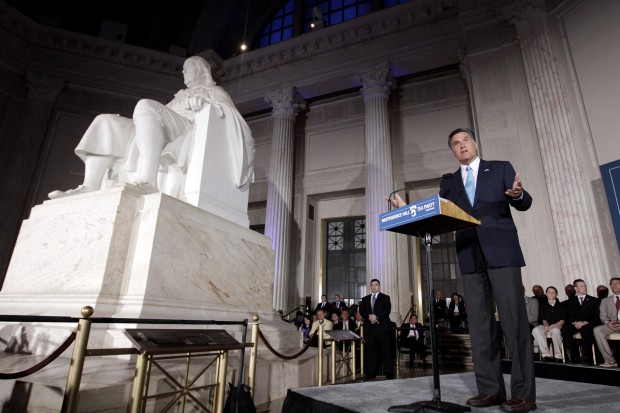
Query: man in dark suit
column 378, row 335
column 346, row 322
column 338, row 305
column 490, row 260
column 439, row 304
column 583, row 315
column 324, row 305
column 411, row 336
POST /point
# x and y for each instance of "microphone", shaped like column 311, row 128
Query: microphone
column 417, row 184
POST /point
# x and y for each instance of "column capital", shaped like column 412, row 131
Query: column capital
column 42, row 86
column 375, row 80
column 525, row 15
column 285, row 102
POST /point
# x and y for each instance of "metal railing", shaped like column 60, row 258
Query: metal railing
column 81, row 334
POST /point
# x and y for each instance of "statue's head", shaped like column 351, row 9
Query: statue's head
column 197, row 72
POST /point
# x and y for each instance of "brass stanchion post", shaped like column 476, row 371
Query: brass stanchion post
column 137, row 392
column 333, row 362
column 70, row 399
column 353, row 358
column 222, row 363
column 253, row 353
column 320, row 360
column 362, row 350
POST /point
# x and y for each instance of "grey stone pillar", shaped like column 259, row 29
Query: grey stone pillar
column 575, row 229
column 285, row 105
column 380, row 246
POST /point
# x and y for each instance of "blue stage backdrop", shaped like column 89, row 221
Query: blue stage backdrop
column 611, row 180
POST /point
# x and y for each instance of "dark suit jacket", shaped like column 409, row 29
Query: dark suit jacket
column 588, row 311
column 335, row 307
column 497, row 233
column 404, row 333
column 383, row 307
column 352, row 325
column 327, row 308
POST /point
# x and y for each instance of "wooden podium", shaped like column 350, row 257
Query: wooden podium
column 428, row 217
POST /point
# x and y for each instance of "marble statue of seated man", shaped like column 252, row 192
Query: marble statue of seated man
column 136, row 150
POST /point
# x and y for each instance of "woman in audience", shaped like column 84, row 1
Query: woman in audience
column 456, row 312
column 306, row 326
column 553, row 314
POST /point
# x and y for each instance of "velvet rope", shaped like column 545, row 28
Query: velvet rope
column 282, row 356
column 43, row 363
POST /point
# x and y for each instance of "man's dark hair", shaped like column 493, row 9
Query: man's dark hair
column 613, row 279
column 578, row 280
column 459, row 130
column 374, row 279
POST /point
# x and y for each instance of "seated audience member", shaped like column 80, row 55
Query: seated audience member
column 456, row 312
column 411, row 336
column 531, row 305
column 305, row 327
column 609, row 310
column 335, row 317
column 324, row 305
column 338, row 305
column 552, row 315
column 298, row 320
column 582, row 316
column 321, row 322
column 345, row 323
column 570, row 292
column 539, row 293
column 359, row 320
column 602, row 292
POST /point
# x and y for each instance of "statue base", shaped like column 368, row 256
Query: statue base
column 132, row 255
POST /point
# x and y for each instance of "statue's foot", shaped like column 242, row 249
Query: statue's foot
column 79, row 190
column 142, row 187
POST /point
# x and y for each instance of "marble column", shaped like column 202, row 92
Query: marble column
column 380, row 246
column 575, row 228
column 25, row 124
column 285, row 106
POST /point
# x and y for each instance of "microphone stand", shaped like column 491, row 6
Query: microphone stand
column 435, row 405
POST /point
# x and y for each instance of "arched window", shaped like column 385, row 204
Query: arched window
column 280, row 27
column 302, row 16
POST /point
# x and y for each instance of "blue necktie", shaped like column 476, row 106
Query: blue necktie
column 470, row 187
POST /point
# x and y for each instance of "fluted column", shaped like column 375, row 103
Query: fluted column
column 380, row 246
column 285, row 105
column 575, row 229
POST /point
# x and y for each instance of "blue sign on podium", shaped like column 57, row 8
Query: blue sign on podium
column 433, row 215
column 410, row 213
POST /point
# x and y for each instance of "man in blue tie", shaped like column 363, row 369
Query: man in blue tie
column 490, row 260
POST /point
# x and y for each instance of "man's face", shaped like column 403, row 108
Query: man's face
column 551, row 293
column 413, row 319
column 323, row 298
column 344, row 315
column 581, row 288
column 537, row 290
column 615, row 286
column 191, row 75
column 320, row 315
column 337, row 297
column 464, row 148
column 437, row 295
column 335, row 318
column 375, row 287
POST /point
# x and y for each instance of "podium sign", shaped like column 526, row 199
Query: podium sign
column 433, row 215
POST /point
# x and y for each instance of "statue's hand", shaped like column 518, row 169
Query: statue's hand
column 196, row 103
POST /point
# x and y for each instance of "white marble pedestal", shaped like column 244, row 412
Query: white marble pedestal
column 133, row 255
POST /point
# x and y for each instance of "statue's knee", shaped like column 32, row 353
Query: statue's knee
column 146, row 106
